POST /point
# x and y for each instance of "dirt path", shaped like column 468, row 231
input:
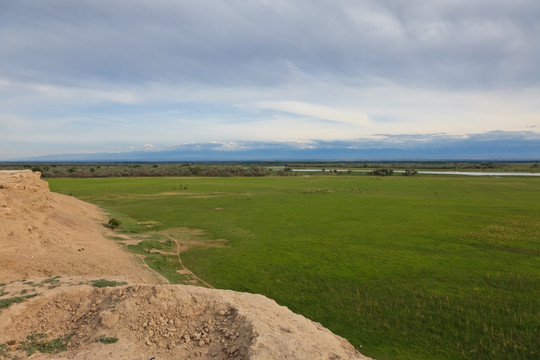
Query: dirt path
column 160, row 278
column 182, row 264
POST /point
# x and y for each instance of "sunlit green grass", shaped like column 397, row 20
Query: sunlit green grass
column 403, row 267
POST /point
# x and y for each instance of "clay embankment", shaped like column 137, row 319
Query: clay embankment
column 44, row 234
column 52, row 245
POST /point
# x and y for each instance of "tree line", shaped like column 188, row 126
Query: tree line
column 84, row 170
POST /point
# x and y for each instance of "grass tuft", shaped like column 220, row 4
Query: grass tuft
column 106, row 340
column 51, row 280
column 4, row 350
column 37, row 342
column 5, row 303
column 101, row 283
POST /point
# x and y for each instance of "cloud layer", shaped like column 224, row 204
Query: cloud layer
column 92, row 76
column 496, row 145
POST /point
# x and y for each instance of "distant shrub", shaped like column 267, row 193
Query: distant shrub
column 382, row 172
column 286, row 171
column 113, row 223
column 410, row 172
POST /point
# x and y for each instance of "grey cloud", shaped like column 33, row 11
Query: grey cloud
column 459, row 44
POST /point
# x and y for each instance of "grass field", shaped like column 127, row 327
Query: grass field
column 424, row 267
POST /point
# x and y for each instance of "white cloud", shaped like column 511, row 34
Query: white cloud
column 318, row 111
column 47, row 92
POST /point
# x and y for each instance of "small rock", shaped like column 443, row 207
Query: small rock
column 108, row 319
column 201, row 343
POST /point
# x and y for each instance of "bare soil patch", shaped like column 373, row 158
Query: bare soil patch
column 44, row 234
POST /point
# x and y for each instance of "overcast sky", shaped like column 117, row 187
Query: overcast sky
column 81, row 76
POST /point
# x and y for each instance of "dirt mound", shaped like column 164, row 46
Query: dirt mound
column 77, row 316
column 44, row 234
column 161, row 322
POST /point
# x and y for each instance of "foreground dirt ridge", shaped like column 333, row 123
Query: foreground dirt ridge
column 54, row 257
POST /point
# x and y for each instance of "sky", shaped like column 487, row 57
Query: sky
column 113, row 75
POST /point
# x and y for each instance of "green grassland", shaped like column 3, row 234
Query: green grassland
column 423, row 267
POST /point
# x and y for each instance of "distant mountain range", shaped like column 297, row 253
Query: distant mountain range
column 487, row 146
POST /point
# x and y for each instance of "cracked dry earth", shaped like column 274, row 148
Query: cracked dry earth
column 149, row 321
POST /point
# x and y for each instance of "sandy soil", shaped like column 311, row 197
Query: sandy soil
column 44, row 234
column 51, row 249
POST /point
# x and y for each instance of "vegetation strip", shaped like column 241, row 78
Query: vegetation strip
column 256, row 169
column 5, row 303
column 101, row 283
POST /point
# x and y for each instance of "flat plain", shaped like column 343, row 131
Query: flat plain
column 422, row 267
